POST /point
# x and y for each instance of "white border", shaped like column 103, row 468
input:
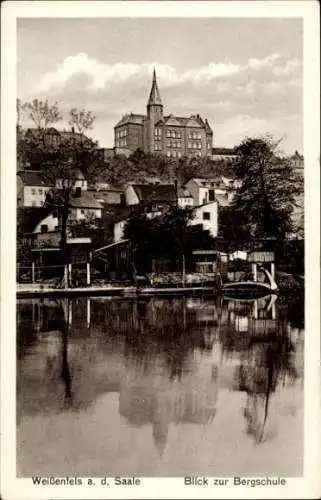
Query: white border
column 309, row 485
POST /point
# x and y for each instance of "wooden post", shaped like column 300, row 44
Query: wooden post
column 273, row 311
column 273, row 270
column 69, row 312
column 33, row 272
column 254, row 271
column 255, row 310
column 88, row 313
column 69, row 274
column 184, row 271
column 66, row 275
column 88, row 273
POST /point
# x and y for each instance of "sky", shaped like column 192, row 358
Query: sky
column 244, row 75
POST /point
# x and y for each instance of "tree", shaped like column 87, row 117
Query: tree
column 66, row 161
column 81, row 119
column 42, row 113
column 269, row 187
column 169, row 236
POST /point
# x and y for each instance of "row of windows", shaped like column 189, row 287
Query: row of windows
column 40, row 191
column 194, row 135
column 194, row 145
column 121, row 133
column 121, row 143
column 158, row 132
column 173, row 133
column 174, row 154
column 174, row 144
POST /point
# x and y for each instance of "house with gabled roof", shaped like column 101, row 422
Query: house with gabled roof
column 31, row 189
column 170, row 135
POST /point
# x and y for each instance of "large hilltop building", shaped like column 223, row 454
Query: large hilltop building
column 173, row 136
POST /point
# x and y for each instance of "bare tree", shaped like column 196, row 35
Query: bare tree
column 42, row 113
column 81, row 119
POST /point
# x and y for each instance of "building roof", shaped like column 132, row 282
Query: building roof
column 154, row 96
column 205, row 181
column 222, row 200
column 64, row 134
column 29, row 218
column 86, row 200
column 131, row 118
column 183, row 193
column 193, row 121
column 33, row 178
column 155, row 192
column 224, row 151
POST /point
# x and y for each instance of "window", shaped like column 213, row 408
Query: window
column 206, row 216
column 44, row 228
column 199, row 154
column 82, row 211
column 179, row 154
column 40, row 190
column 173, row 133
column 199, row 145
column 199, row 135
column 174, row 154
column 211, row 195
column 168, row 153
column 168, row 133
column 190, row 145
column 179, row 134
column 208, row 146
column 33, row 191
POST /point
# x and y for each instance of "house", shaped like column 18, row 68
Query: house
column 184, row 198
column 154, row 197
column 153, row 132
column 203, row 190
column 207, row 216
column 84, row 206
column 53, row 138
column 31, row 189
column 109, row 196
column 76, row 180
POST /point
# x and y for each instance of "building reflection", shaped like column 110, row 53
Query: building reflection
column 167, row 359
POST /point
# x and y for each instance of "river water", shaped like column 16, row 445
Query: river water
column 160, row 387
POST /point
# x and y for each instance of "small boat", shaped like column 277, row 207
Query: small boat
column 250, row 289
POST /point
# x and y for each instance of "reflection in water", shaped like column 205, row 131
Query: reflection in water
column 172, row 362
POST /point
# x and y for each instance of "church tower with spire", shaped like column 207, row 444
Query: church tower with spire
column 154, row 114
column 171, row 136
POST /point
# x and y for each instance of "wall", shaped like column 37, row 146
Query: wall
column 131, row 196
column 50, row 221
column 134, row 137
column 85, row 213
column 34, row 196
column 210, row 225
column 184, row 202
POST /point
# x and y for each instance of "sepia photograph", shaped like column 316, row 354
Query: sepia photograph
column 160, row 261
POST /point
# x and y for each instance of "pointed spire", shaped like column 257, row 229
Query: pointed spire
column 154, row 96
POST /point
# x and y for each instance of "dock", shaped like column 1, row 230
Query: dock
column 32, row 291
